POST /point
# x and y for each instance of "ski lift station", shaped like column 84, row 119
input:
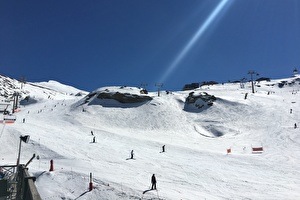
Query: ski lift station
column 6, row 117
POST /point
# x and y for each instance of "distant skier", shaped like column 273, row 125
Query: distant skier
column 94, row 139
column 131, row 154
column 163, row 148
column 153, row 181
column 295, row 125
column 23, row 120
column 291, row 111
column 92, row 133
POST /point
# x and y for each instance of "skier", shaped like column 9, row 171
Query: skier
column 153, row 181
column 295, row 125
column 23, row 120
column 131, row 154
column 92, row 133
column 163, row 148
column 94, row 139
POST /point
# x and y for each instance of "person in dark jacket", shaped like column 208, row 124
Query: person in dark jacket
column 131, row 154
column 153, row 181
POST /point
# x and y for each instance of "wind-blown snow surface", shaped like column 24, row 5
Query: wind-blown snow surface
column 195, row 164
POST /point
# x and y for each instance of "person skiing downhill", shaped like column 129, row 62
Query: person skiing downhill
column 153, row 181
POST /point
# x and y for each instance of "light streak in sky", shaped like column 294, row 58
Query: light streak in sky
column 194, row 39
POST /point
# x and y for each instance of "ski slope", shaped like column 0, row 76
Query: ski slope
column 195, row 165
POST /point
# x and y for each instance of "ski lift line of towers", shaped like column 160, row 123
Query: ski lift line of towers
column 158, row 85
column 242, row 81
column 252, row 73
column 260, row 149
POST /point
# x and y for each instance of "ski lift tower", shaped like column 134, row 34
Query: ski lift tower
column 242, row 82
column 15, row 102
column 251, row 72
column 295, row 72
column 158, row 85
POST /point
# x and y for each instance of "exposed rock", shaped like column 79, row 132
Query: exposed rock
column 198, row 102
column 263, row 79
column 114, row 96
column 191, row 86
column 124, row 97
column 208, row 83
column 27, row 101
column 79, row 94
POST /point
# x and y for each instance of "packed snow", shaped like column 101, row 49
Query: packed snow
column 196, row 163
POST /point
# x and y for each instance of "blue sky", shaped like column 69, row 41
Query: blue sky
column 93, row 43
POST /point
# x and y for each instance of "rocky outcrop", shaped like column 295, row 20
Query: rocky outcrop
column 197, row 102
column 114, row 96
column 124, row 97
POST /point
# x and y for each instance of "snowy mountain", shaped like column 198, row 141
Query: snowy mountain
column 34, row 92
column 197, row 127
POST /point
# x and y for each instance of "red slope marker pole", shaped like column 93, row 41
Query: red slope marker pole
column 51, row 166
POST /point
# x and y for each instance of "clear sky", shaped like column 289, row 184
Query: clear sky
column 93, row 43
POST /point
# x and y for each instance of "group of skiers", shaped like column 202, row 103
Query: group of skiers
column 131, row 153
column 153, row 178
column 295, row 125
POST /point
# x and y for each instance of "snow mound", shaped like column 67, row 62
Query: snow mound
column 116, row 97
column 59, row 87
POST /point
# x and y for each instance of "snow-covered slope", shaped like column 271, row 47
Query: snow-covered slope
column 195, row 164
column 34, row 92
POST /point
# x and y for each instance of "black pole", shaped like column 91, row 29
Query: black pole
column 18, row 159
column 14, row 101
column 30, row 160
column 17, row 99
column 252, row 83
column 251, row 72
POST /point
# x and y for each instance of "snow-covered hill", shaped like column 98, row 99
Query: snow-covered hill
column 34, row 92
column 195, row 165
